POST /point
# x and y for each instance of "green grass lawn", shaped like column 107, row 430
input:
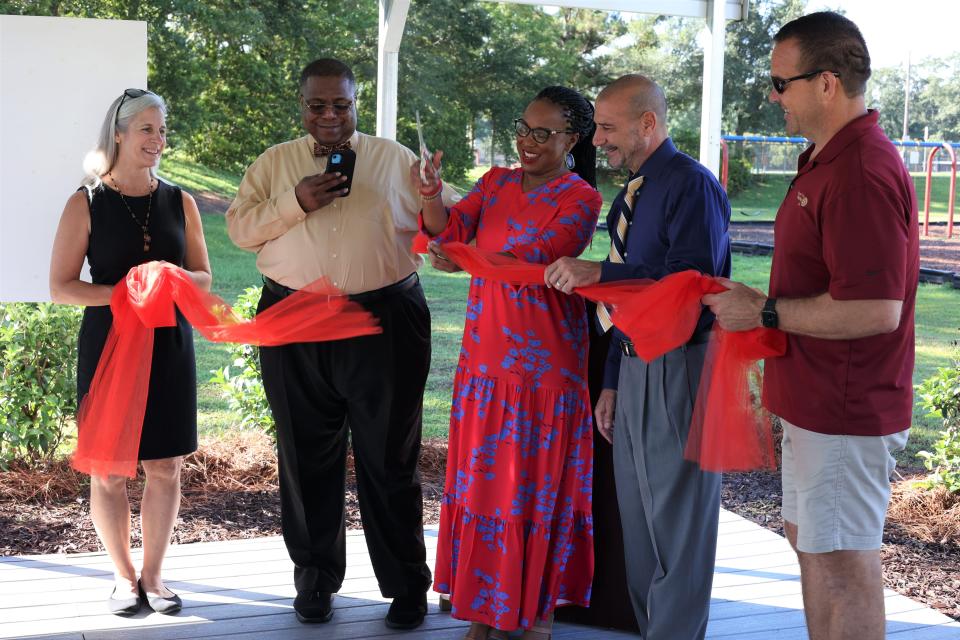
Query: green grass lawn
column 196, row 178
column 938, row 311
column 761, row 200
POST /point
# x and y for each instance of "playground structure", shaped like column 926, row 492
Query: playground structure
column 778, row 154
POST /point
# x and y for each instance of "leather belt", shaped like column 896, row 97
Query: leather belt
column 627, row 349
column 367, row 296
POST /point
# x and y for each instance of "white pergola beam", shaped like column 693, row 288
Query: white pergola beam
column 393, row 18
column 711, row 106
column 734, row 9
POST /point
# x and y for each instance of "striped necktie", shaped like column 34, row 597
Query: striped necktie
column 618, row 240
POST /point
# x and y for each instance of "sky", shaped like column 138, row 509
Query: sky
column 892, row 28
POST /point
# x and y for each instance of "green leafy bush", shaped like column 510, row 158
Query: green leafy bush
column 739, row 172
column 38, row 372
column 940, row 394
column 240, row 381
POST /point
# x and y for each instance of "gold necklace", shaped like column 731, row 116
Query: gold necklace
column 145, row 225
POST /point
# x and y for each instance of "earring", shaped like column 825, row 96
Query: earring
column 570, row 162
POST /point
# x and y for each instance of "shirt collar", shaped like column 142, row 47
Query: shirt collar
column 310, row 140
column 851, row 132
column 658, row 160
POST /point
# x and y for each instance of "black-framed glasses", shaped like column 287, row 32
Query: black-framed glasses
column 780, row 84
column 340, row 107
column 129, row 93
column 540, row 134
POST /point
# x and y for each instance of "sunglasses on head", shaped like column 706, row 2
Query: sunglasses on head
column 129, row 93
column 780, row 84
column 540, row 134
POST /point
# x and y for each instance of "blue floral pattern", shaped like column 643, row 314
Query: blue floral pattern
column 516, row 528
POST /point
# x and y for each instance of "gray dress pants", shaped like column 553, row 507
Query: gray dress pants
column 669, row 508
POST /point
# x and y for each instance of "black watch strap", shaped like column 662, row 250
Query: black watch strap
column 768, row 317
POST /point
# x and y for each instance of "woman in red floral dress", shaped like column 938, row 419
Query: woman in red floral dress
column 516, row 532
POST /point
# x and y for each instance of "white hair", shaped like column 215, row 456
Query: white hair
column 102, row 158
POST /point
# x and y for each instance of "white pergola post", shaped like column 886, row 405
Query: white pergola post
column 393, row 18
column 711, row 108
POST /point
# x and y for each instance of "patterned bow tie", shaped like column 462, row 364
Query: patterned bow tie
column 323, row 150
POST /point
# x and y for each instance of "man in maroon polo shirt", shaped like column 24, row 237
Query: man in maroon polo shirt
column 843, row 286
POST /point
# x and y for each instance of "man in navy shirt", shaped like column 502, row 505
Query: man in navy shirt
column 671, row 216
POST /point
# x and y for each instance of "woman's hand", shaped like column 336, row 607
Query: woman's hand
column 439, row 260
column 425, row 176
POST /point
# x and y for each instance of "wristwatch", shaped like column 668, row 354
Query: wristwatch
column 768, row 317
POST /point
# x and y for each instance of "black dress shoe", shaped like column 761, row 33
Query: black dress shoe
column 123, row 607
column 407, row 612
column 166, row 606
column 313, row 606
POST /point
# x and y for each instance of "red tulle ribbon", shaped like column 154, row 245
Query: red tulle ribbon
column 420, row 242
column 729, row 430
column 110, row 418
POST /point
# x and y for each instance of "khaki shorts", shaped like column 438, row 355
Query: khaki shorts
column 836, row 488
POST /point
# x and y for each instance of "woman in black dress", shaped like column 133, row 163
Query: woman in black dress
column 121, row 217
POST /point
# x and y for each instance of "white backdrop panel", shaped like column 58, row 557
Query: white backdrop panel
column 57, row 78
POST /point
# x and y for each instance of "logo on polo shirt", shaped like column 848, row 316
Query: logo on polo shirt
column 802, row 199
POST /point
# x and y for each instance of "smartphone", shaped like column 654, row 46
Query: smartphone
column 342, row 162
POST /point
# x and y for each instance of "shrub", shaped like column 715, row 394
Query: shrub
column 38, row 371
column 940, row 394
column 739, row 172
column 241, row 381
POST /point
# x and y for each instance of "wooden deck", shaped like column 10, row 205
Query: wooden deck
column 243, row 589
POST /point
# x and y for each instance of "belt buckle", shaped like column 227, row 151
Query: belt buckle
column 627, row 348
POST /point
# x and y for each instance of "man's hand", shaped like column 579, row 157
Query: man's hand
column 737, row 309
column 606, row 405
column 566, row 274
column 439, row 260
column 312, row 192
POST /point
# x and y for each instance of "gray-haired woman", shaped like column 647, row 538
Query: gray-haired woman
column 123, row 216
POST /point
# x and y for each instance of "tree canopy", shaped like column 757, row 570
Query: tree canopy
column 228, row 69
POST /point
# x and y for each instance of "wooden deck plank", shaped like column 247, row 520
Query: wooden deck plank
column 243, row 589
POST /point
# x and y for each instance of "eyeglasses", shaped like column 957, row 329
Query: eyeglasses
column 780, row 84
column 129, row 93
column 539, row 134
column 319, row 108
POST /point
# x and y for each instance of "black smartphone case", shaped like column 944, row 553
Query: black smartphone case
column 343, row 162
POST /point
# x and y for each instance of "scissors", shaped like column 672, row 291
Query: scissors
column 424, row 152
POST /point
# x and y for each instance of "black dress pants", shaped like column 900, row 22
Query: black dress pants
column 373, row 387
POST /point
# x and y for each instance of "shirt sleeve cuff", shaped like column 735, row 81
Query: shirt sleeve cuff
column 289, row 209
column 614, row 271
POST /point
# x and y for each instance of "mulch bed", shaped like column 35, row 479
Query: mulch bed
column 230, row 492
column 936, row 250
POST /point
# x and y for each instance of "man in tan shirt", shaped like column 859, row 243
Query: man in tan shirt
column 303, row 225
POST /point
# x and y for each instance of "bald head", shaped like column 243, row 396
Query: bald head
column 640, row 94
column 631, row 117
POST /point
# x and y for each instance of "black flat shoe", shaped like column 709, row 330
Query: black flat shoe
column 313, row 606
column 123, row 607
column 407, row 612
column 166, row 606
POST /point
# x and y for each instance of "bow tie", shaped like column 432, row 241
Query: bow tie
column 322, row 150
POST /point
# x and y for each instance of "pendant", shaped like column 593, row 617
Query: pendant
column 146, row 247
column 146, row 242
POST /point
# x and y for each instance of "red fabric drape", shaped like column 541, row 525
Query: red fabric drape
column 111, row 414
column 729, row 430
column 420, row 242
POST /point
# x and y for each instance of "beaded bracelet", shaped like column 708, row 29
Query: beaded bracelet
column 434, row 195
